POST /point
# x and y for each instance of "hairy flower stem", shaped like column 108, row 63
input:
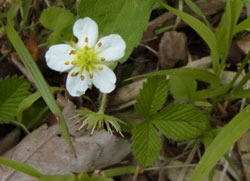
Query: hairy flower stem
column 103, row 103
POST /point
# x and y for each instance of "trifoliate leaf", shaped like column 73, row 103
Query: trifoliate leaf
column 180, row 121
column 146, row 143
column 181, row 87
column 12, row 91
column 60, row 21
column 152, row 96
column 129, row 18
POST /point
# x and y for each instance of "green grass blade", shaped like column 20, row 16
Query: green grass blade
column 21, row 167
column 222, row 143
column 223, row 32
column 211, row 92
column 28, row 101
column 39, row 80
column 197, row 11
column 244, row 25
column 193, row 73
column 237, row 94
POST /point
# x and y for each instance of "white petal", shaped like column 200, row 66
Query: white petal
column 57, row 55
column 86, row 28
column 112, row 47
column 104, row 79
column 75, row 85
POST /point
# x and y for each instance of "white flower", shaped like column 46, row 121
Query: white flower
column 85, row 60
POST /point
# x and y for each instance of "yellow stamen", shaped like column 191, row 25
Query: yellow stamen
column 100, row 68
column 91, row 75
column 103, row 59
column 82, row 77
column 86, row 39
column 73, row 74
column 72, row 43
column 67, row 63
column 72, row 52
column 99, row 44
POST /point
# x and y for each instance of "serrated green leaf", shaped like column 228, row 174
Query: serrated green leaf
column 181, row 121
column 222, row 143
column 12, row 91
column 146, row 143
column 152, row 96
column 20, row 167
column 129, row 18
column 60, row 21
column 182, row 88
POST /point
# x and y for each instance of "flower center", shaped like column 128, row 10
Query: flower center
column 86, row 59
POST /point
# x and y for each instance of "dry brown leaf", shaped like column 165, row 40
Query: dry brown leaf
column 46, row 150
column 172, row 49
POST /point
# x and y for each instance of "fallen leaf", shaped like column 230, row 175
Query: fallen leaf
column 172, row 49
column 46, row 150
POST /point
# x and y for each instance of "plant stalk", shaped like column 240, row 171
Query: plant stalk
column 103, row 104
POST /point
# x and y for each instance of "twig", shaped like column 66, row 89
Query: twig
column 189, row 159
column 170, row 167
column 47, row 3
column 136, row 173
column 178, row 19
column 225, row 167
column 22, row 69
column 150, row 49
